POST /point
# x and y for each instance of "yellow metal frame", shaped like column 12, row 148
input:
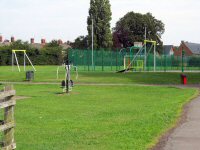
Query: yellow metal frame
column 25, row 56
column 149, row 41
column 18, row 50
column 139, row 65
column 154, row 44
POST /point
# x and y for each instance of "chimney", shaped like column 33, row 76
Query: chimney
column 43, row 41
column 1, row 38
column 32, row 41
column 60, row 42
column 12, row 39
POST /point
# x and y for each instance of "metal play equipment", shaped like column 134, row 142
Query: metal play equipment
column 14, row 56
column 139, row 60
column 67, row 84
column 153, row 44
column 137, row 65
column 64, row 66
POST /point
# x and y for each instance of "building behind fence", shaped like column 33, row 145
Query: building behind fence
column 105, row 60
column 7, row 124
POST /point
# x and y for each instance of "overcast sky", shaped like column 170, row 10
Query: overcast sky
column 66, row 19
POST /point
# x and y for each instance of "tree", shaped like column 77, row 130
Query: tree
column 131, row 28
column 100, row 13
column 52, row 53
column 80, row 42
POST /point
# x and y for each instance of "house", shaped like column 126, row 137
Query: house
column 189, row 48
column 32, row 43
column 168, row 50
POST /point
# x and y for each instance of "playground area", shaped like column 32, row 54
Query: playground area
column 99, row 75
column 85, row 104
column 142, row 58
column 105, row 110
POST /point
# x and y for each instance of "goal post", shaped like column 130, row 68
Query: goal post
column 135, row 65
column 14, row 58
column 154, row 51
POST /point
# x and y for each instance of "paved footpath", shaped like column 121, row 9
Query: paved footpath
column 187, row 135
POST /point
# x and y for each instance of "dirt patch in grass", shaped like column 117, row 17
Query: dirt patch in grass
column 21, row 97
column 64, row 94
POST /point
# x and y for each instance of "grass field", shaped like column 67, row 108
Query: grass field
column 96, row 117
column 48, row 74
column 93, row 117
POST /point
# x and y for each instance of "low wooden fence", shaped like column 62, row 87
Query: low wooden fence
column 7, row 103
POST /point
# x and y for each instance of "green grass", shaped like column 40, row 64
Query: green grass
column 96, row 117
column 92, row 117
column 48, row 74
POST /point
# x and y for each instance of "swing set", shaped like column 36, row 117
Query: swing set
column 14, row 58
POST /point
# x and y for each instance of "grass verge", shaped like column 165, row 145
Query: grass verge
column 92, row 117
column 48, row 74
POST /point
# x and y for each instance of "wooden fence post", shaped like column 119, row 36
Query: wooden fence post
column 7, row 102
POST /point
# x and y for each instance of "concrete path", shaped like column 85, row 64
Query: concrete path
column 187, row 135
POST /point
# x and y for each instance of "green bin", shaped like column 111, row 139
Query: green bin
column 29, row 75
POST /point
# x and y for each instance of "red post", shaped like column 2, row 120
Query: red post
column 183, row 79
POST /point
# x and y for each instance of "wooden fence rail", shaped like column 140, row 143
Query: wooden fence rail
column 7, row 102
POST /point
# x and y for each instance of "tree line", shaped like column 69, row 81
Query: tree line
column 49, row 54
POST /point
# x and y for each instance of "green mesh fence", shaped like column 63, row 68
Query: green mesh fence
column 107, row 60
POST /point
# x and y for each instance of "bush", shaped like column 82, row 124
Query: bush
column 194, row 61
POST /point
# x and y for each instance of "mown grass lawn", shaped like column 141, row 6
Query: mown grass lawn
column 48, row 74
column 92, row 117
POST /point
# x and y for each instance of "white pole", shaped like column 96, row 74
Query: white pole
column 145, row 49
column 29, row 61
column 17, row 61
column 154, row 57
column 92, row 44
column 12, row 61
column 57, row 71
column 24, row 62
column 125, row 62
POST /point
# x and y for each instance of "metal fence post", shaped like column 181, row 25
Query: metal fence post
column 183, row 53
column 111, row 59
column 102, row 63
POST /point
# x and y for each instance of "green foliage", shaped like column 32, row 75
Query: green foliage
column 131, row 28
column 5, row 55
column 194, row 61
column 80, row 42
column 100, row 13
column 6, row 51
column 50, row 54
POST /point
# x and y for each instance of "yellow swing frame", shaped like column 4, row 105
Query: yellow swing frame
column 14, row 56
